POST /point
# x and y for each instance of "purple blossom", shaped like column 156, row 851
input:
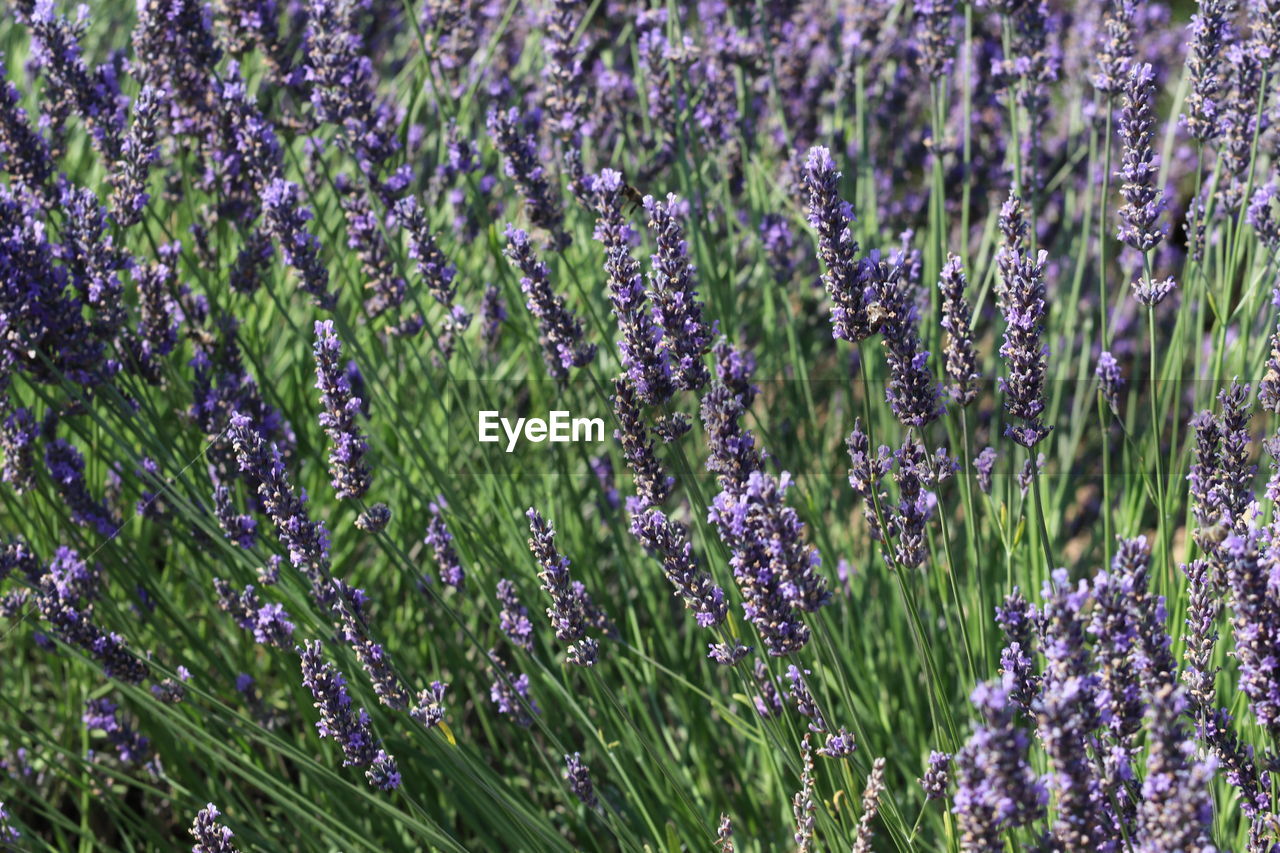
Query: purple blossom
column 440, row 541
column 984, row 465
column 138, row 151
column 911, row 393
column 845, row 279
column 349, row 472
column 996, row 789
column 1110, row 380
column 1176, row 809
column 959, row 357
column 651, row 481
column 1140, row 216
column 286, row 219
column 521, row 163
column 578, row 775
column 340, row 722
column 210, row 835
column 66, row 469
column 513, row 617
column 1210, row 33
column 1024, row 353
column 571, row 609
column 677, row 309
column 559, row 331
column 669, row 542
column 935, row 777
column 644, row 358
column 776, row 570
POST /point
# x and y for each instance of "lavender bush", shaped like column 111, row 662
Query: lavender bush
column 932, row 501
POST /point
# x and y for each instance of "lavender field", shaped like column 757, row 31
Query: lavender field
column 599, row 426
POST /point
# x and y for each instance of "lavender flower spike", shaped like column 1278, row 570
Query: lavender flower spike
column 559, row 331
column 1140, row 215
column 1176, row 810
column 651, row 481
column 570, row 610
column 669, row 542
column 350, row 474
column 286, row 220
column 210, row 835
column 996, row 789
column 440, row 541
column 578, row 775
column 1024, row 353
column 521, row 164
column 677, row 308
column 643, row 355
column 959, row 357
column 340, row 722
column 832, row 217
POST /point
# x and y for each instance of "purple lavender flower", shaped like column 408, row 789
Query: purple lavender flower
column 94, row 97
column 493, row 313
column 570, row 610
column 560, row 332
column 440, row 541
column 724, row 835
column 984, row 465
column 959, row 358
column 269, row 623
column 513, row 617
column 138, row 152
column 1024, row 353
column 734, row 454
column 239, row 529
column 1176, row 809
column 798, row 692
column 775, row 569
column 9, row 833
column 578, row 775
column 1110, row 380
column 510, row 694
column 996, row 789
column 602, row 467
column 768, row 700
column 643, row 357
column 651, row 481
column 909, row 518
column 832, row 218
column 343, row 85
column 434, row 268
column 374, row 519
column 429, row 707
column 933, row 19
column 1140, row 225
column 677, row 308
column 340, row 722
column 566, row 96
column 18, row 435
column 669, row 542
column 1115, row 48
column 1204, row 606
column 210, row 835
column 130, row 746
column 1018, row 677
column 286, row 219
column 1210, row 34
column 349, row 472
column 25, row 152
column 66, row 469
column 911, row 392
column 1256, row 625
column 521, row 164
column 387, row 289
column 935, row 777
